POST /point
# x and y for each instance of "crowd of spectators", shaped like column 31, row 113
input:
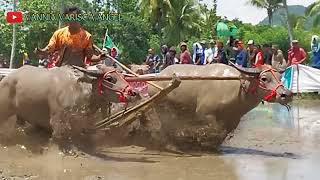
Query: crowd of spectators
column 247, row 54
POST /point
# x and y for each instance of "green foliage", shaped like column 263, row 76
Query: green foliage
column 133, row 34
column 314, row 11
column 163, row 22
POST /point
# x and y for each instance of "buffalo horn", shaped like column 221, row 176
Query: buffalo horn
column 93, row 73
column 249, row 71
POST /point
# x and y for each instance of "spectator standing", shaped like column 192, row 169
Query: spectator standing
column 296, row 54
column 210, row 52
column 185, row 57
column 259, row 57
column 197, row 53
column 221, row 55
column 26, row 60
column 170, row 57
column 43, row 61
column 164, row 51
column 242, row 55
column 267, row 54
column 232, row 48
column 153, row 61
column 251, row 53
column 278, row 61
column 315, row 48
column 204, row 47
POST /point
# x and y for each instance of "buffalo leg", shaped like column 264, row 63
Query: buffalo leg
column 61, row 131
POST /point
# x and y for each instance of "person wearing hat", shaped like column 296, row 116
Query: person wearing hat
column 164, row 50
column 296, row 54
column 153, row 61
column 185, row 57
column 210, row 52
column 252, row 53
column 242, row 55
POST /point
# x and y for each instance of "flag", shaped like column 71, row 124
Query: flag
column 107, row 41
column 287, row 78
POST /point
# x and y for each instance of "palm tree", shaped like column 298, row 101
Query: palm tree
column 314, row 11
column 182, row 20
column 269, row 5
column 285, row 6
column 296, row 21
column 156, row 11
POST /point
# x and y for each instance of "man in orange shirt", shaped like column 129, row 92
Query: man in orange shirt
column 296, row 55
column 73, row 42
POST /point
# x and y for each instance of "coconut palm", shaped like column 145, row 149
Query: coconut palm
column 269, row 5
column 156, row 11
column 182, row 20
column 314, row 11
column 290, row 31
column 296, row 21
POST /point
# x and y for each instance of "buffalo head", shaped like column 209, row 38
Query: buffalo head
column 266, row 81
column 110, row 83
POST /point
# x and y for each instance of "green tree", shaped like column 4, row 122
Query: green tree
column 183, row 20
column 296, row 21
column 156, row 11
column 314, row 11
column 269, row 5
column 209, row 23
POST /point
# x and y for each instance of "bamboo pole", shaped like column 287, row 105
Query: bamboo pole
column 123, row 118
column 168, row 78
column 127, row 69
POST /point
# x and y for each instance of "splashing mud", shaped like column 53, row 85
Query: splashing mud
column 270, row 143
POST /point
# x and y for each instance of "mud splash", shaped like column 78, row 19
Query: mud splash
column 270, row 143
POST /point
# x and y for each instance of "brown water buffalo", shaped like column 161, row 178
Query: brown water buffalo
column 201, row 113
column 48, row 98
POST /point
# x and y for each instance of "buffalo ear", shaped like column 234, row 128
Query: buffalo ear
column 248, row 71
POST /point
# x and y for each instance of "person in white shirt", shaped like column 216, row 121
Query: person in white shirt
column 210, row 52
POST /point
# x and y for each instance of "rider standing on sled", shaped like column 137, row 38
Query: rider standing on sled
column 73, row 42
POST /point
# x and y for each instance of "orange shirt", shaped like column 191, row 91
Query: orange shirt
column 80, row 42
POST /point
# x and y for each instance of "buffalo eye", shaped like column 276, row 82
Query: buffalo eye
column 111, row 79
column 264, row 79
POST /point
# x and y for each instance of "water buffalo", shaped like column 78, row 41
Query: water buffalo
column 47, row 98
column 205, row 112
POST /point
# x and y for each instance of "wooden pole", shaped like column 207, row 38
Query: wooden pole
column 14, row 37
column 168, row 78
column 125, row 68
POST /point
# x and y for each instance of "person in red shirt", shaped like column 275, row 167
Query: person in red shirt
column 259, row 57
column 296, row 54
column 185, row 57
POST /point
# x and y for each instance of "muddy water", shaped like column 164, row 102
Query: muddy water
column 270, row 143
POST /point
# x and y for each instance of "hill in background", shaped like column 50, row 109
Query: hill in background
column 278, row 16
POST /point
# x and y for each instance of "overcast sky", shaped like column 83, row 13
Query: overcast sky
column 245, row 12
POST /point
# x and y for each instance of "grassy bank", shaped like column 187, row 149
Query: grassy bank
column 307, row 96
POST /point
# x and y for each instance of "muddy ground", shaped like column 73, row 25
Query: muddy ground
column 270, row 143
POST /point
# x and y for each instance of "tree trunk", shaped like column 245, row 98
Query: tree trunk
column 14, row 37
column 290, row 31
column 270, row 16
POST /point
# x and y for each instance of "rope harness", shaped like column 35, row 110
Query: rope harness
column 124, row 91
column 258, row 83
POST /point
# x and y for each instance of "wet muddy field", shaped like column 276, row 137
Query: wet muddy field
column 270, row 143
